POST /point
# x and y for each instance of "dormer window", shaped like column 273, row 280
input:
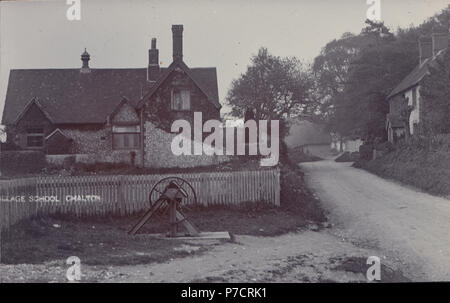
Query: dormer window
column 181, row 100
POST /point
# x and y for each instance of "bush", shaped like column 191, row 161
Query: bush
column 422, row 162
column 22, row 162
column 385, row 147
column 8, row 145
column 296, row 155
column 366, row 151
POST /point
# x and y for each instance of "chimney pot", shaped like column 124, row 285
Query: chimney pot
column 425, row 48
column 177, row 39
column 85, row 57
column 439, row 41
column 440, row 37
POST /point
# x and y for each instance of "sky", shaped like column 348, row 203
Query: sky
column 222, row 34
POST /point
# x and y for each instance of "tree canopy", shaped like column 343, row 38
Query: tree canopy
column 273, row 87
column 347, row 84
column 356, row 73
column 435, row 89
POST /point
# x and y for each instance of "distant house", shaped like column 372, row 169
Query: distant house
column 345, row 144
column 311, row 137
column 405, row 97
column 108, row 114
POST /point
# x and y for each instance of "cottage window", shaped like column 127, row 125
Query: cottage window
column 35, row 137
column 126, row 137
column 181, row 99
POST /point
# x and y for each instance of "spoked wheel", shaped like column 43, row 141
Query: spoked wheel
column 158, row 190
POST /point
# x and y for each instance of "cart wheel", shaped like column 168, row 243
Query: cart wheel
column 159, row 187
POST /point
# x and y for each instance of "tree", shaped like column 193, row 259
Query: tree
column 330, row 70
column 435, row 93
column 2, row 134
column 356, row 73
column 274, row 87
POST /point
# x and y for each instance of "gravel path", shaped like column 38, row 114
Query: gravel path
column 411, row 227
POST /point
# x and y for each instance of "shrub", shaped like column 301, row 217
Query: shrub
column 68, row 162
column 22, row 162
column 366, row 151
column 385, row 147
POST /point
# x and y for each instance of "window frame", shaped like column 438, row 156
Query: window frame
column 35, row 134
column 124, row 130
column 175, row 91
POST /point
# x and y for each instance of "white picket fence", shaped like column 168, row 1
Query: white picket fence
column 127, row 194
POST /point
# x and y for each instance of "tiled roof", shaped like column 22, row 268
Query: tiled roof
column 414, row 77
column 69, row 96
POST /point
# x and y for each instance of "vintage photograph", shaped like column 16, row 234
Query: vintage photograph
column 209, row 142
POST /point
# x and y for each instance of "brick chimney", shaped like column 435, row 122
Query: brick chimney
column 439, row 40
column 153, row 62
column 85, row 57
column 440, row 33
column 177, row 38
column 425, row 48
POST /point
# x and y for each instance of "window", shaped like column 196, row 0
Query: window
column 126, row 137
column 35, row 137
column 181, row 99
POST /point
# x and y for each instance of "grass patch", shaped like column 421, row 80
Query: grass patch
column 425, row 165
column 95, row 242
column 104, row 241
column 296, row 155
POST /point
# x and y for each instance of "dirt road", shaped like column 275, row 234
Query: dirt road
column 412, row 228
column 305, row 256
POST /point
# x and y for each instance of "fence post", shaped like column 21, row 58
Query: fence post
column 277, row 187
column 121, row 196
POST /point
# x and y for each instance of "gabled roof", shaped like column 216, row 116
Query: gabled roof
column 414, row 77
column 119, row 106
column 204, row 78
column 56, row 131
column 71, row 97
column 36, row 102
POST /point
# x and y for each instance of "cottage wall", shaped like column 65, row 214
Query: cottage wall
column 94, row 144
column 352, row 145
column 125, row 115
column 396, row 105
column 414, row 118
column 158, row 108
column 158, row 153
